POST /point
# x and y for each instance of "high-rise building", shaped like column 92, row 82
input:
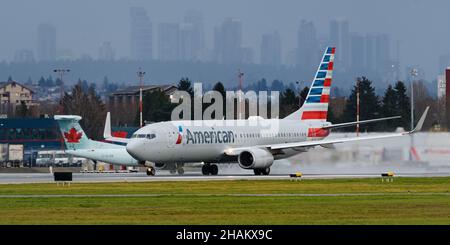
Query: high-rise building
column 46, row 46
column 307, row 45
column 357, row 52
column 187, row 42
column 168, row 41
column 271, row 49
column 247, row 55
column 141, row 34
column 228, row 41
column 378, row 52
column 23, row 56
column 106, row 52
column 340, row 38
column 192, row 36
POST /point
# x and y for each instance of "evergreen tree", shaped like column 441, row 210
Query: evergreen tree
column 10, row 78
column 186, row 85
column 303, row 95
column 288, row 102
column 156, row 107
column 49, row 82
column 403, row 105
column 221, row 89
column 369, row 105
column 22, row 110
column 277, row 85
column 41, row 82
column 389, row 107
column 89, row 106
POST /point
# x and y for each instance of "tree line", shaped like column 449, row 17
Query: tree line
column 157, row 106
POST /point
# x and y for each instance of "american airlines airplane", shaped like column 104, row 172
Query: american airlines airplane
column 256, row 143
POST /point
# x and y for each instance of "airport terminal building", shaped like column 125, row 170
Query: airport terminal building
column 32, row 135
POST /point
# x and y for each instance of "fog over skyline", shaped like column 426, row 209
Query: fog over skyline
column 420, row 26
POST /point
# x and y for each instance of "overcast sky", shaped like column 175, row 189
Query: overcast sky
column 421, row 26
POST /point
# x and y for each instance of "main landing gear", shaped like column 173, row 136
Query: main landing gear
column 261, row 171
column 177, row 168
column 210, row 169
column 151, row 171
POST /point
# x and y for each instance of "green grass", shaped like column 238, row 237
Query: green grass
column 405, row 201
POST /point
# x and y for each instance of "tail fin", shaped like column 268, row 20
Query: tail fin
column 74, row 136
column 316, row 102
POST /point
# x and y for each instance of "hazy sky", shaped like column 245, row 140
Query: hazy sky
column 421, row 26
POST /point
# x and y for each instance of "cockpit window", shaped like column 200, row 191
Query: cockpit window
column 142, row 136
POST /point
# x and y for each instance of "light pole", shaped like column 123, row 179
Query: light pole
column 140, row 74
column 240, row 76
column 357, row 107
column 414, row 73
column 61, row 72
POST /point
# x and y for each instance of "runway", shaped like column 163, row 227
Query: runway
column 20, row 178
column 229, row 195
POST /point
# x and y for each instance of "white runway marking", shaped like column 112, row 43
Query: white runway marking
column 227, row 195
column 20, row 178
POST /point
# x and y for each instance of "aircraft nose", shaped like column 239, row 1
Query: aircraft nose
column 134, row 149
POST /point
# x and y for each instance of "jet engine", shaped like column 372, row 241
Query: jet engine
column 255, row 159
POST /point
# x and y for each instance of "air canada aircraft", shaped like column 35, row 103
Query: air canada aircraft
column 78, row 144
column 254, row 143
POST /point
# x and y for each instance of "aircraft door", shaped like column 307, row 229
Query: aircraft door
column 172, row 137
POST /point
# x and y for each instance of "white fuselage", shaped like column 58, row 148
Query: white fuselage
column 206, row 141
column 109, row 153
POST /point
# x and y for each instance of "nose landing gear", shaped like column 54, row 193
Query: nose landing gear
column 210, row 169
column 151, row 171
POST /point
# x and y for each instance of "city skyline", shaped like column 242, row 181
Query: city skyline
column 253, row 28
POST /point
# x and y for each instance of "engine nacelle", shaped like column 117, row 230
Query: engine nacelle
column 255, row 158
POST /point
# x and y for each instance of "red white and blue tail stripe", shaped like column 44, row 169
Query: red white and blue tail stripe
column 316, row 102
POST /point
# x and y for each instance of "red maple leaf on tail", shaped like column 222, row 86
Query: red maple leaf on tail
column 73, row 136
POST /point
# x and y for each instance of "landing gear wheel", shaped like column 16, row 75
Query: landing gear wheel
column 265, row 171
column 214, row 169
column 151, row 171
column 206, row 169
column 257, row 171
column 180, row 171
column 173, row 171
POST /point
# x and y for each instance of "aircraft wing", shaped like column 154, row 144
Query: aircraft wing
column 329, row 142
column 107, row 132
column 342, row 140
column 332, row 141
column 348, row 124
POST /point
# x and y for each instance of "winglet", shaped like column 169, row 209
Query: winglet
column 421, row 121
column 107, row 131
